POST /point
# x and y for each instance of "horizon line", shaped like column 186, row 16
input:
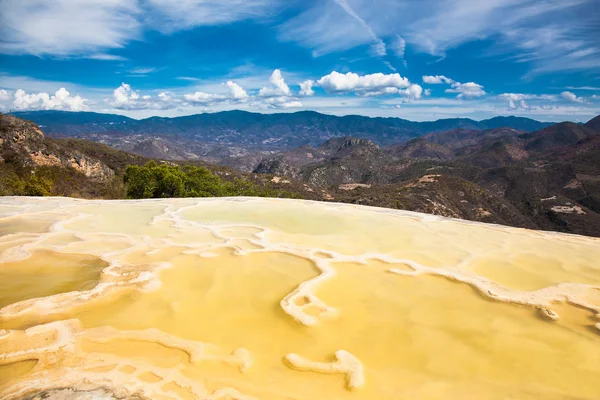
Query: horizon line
column 281, row 113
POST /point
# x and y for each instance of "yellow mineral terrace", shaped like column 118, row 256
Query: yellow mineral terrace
column 244, row 298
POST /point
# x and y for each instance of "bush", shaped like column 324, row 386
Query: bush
column 155, row 180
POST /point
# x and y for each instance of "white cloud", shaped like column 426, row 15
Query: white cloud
column 106, row 57
column 280, row 89
column 517, row 100
column 187, row 78
column 124, row 95
column 522, row 96
column 280, row 96
column 337, row 82
column 204, row 98
column 278, row 102
column 237, row 92
column 582, row 88
column 466, row 90
column 437, row 79
column 236, row 95
column 572, row 97
column 142, row 70
column 427, row 92
column 4, row 95
column 66, row 27
column 370, row 85
column 398, row 45
column 521, row 104
column 125, row 98
column 87, row 28
column 306, row 88
column 164, row 97
column 540, row 30
column 378, row 47
column 62, row 100
column 169, row 16
column 332, row 26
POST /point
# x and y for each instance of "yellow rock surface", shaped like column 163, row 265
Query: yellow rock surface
column 287, row 299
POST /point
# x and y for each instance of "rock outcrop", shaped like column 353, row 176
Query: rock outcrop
column 24, row 142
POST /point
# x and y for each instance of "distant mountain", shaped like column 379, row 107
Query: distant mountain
column 593, row 124
column 545, row 179
column 32, row 164
column 422, row 149
column 260, row 131
column 557, row 136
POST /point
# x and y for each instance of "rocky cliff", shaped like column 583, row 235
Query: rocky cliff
column 23, row 142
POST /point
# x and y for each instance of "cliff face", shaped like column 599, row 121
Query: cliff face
column 24, row 142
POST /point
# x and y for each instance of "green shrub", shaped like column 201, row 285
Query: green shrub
column 155, row 180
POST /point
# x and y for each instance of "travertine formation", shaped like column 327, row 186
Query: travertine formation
column 345, row 363
column 216, row 299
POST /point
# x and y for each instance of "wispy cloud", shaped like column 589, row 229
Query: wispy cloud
column 142, row 70
column 582, row 87
column 87, row 28
column 106, row 57
column 553, row 35
column 66, row 27
column 398, row 45
column 331, row 26
column 168, row 16
column 378, row 47
column 187, row 78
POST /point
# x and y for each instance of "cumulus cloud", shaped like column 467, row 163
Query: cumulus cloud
column 436, row 79
column 466, row 90
column 280, row 89
column 125, row 98
column 519, row 100
column 337, row 82
column 521, row 104
column 369, row 85
column 572, row 97
column 62, row 100
column 280, row 95
column 523, row 96
column 236, row 94
column 279, row 102
column 203, row 97
column 4, row 95
column 306, row 88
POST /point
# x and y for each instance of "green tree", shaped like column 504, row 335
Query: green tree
column 155, row 180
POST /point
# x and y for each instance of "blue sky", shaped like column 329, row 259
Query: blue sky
column 414, row 59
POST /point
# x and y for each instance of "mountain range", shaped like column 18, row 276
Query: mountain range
column 260, row 131
column 546, row 178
